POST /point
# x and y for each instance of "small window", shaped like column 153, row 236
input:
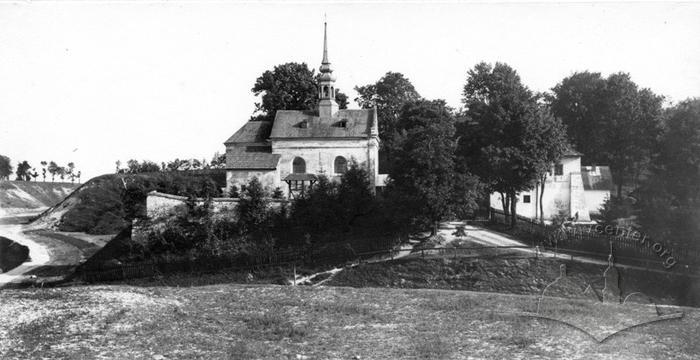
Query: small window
column 558, row 169
column 526, row 199
column 298, row 166
column 340, row 166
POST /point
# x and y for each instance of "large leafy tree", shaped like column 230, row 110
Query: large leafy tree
column 424, row 176
column 389, row 94
column 611, row 120
column 5, row 167
column 669, row 199
column 290, row 86
column 508, row 140
column 24, row 171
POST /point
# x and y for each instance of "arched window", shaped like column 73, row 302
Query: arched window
column 298, row 166
column 340, row 165
column 325, row 92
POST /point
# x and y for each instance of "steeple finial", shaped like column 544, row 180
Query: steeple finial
column 325, row 42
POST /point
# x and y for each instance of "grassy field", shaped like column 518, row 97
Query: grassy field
column 286, row 322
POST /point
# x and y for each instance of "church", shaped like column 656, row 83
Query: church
column 298, row 146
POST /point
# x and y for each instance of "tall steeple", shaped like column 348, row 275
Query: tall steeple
column 327, row 107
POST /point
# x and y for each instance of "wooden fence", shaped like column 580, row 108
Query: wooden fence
column 583, row 239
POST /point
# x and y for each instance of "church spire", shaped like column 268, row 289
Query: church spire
column 325, row 43
column 327, row 107
column 325, row 64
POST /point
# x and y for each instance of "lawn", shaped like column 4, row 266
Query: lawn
column 287, row 322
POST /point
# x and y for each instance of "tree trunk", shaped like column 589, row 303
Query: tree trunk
column 506, row 209
column 544, row 178
column 503, row 204
column 513, row 213
column 619, row 190
column 434, row 231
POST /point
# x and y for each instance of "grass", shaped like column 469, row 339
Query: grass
column 283, row 322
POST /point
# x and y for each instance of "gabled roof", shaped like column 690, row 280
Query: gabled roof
column 570, row 152
column 251, row 158
column 305, row 124
column 600, row 179
column 251, row 132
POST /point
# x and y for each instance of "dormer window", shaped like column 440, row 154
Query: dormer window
column 342, row 124
column 304, row 124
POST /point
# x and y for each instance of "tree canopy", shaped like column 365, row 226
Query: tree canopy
column 424, row 176
column 290, row 86
column 24, row 171
column 669, row 199
column 5, row 167
column 508, row 140
column 611, row 120
column 389, row 94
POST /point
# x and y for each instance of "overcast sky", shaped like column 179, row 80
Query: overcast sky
column 96, row 82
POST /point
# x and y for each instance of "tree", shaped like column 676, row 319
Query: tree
column 5, row 167
column 548, row 141
column 424, row 177
column 118, row 166
column 135, row 167
column 669, row 199
column 508, row 140
column 611, row 121
column 23, row 171
column 252, row 209
column 43, row 170
column 70, row 170
column 388, row 95
column 218, row 161
column 53, row 170
column 290, row 86
column 62, row 172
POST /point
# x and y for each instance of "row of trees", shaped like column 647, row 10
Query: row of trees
column 26, row 172
column 135, row 167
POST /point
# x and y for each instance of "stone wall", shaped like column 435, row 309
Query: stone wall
column 159, row 205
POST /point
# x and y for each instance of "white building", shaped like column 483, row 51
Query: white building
column 290, row 152
column 578, row 191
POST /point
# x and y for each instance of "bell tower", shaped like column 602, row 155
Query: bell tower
column 327, row 107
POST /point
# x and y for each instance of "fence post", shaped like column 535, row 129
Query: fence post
column 294, row 269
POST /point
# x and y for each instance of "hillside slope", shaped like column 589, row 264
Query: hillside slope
column 107, row 203
column 32, row 195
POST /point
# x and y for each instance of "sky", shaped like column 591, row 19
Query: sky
column 96, row 82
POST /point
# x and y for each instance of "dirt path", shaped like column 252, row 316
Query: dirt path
column 52, row 255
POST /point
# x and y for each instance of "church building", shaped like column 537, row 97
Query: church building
column 298, row 146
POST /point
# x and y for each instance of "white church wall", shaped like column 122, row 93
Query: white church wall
column 268, row 178
column 319, row 155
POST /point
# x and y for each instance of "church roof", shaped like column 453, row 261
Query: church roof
column 596, row 178
column 356, row 123
column 251, row 132
column 251, row 157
